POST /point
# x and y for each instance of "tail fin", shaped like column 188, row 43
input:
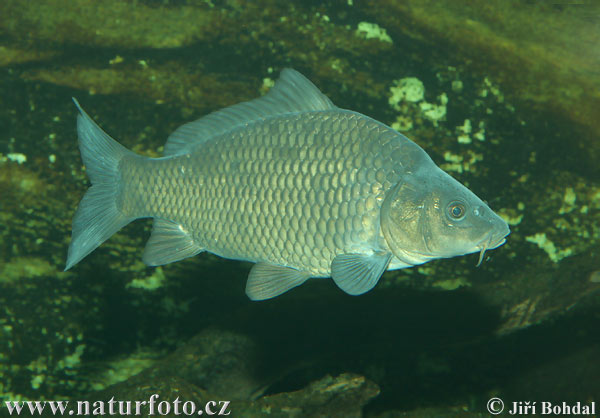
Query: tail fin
column 97, row 217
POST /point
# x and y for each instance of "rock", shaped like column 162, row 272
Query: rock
column 547, row 68
column 221, row 362
column 340, row 396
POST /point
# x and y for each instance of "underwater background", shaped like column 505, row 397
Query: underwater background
column 505, row 96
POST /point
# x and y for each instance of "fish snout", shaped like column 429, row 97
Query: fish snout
column 497, row 227
column 496, row 237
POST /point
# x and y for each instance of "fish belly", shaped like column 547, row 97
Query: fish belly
column 294, row 190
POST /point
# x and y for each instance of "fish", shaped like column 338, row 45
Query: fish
column 290, row 182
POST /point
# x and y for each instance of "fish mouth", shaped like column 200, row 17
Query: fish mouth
column 490, row 242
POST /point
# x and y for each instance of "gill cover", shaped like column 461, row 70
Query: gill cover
column 402, row 222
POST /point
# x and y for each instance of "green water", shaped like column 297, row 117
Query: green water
column 509, row 105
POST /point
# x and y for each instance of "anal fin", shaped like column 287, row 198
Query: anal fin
column 266, row 281
column 356, row 274
column 169, row 242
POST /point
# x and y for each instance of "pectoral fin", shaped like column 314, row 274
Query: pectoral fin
column 267, row 280
column 356, row 274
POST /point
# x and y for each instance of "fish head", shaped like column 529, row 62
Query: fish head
column 430, row 215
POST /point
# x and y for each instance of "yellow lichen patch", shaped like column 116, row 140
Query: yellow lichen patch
column 409, row 89
column 37, row 380
column 510, row 216
column 466, row 130
column 116, row 60
column 407, row 96
column 480, row 134
column 435, row 112
column 459, row 163
column 452, row 284
column 457, row 86
column 26, row 268
column 453, row 158
column 454, row 162
column 426, row 270
column 121, row 369
column 15, row 157
column 151, row 282
column 595, row 196
column 464, row 139
column 21, row 184
column 402, row 123
column 568, row 201
column 372, row 31
column 466, row 127
column 542, row 241
column 72, row 360
column 267, row 84
column 38, row 365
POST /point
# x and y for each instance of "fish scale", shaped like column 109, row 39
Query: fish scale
column 290, row 182
column 301, row 186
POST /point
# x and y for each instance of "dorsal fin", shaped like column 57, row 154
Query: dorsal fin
column 291, row 93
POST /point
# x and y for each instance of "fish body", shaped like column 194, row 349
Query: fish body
column 287, row 181
column 293, row 190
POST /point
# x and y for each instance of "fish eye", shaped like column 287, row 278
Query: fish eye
column 456, row 211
